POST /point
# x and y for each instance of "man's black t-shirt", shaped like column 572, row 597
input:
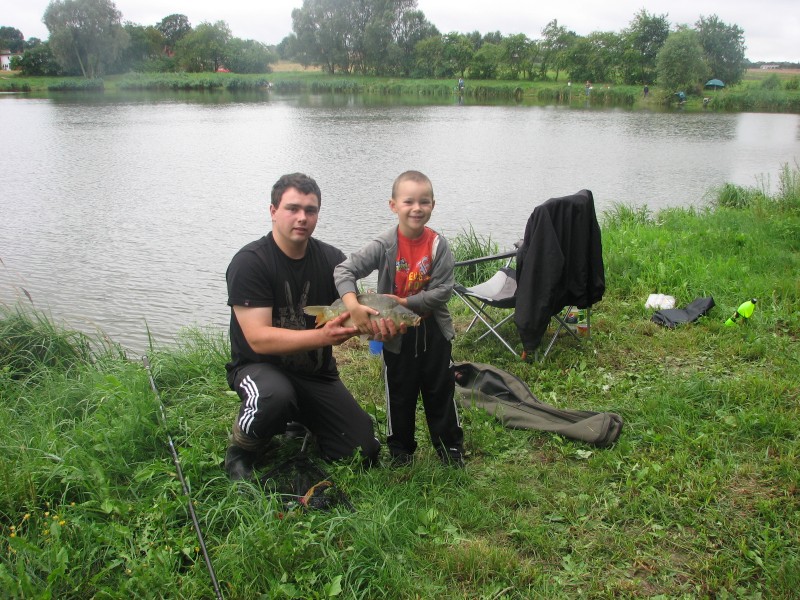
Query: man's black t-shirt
column 261, row 275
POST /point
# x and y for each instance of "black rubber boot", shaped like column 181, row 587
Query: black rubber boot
column 239, row 463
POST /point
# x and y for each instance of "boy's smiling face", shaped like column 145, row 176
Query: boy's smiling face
column 413, row 203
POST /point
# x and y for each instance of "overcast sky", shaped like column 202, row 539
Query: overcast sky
column 771, row 27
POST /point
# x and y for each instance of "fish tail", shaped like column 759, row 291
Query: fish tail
column 319, row 312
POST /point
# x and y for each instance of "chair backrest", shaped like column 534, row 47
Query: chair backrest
column 560, row 263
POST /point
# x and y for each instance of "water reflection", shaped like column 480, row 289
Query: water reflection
column 125, row 210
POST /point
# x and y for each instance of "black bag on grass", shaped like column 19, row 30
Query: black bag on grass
column 506, row 397
column 672, row 317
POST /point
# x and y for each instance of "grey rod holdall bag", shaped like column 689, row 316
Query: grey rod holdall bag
column 506, row 397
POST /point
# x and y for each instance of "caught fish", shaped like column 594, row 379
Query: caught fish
column 388, row 308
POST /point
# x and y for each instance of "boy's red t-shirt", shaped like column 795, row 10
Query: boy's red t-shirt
column 414, row 262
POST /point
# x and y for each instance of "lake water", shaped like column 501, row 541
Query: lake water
column 121, row 214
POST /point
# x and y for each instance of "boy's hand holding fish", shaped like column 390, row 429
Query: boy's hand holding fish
column 359, row 313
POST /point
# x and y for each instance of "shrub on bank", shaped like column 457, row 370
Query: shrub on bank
column 77, row 85
column 750, row 96
column 749, row 99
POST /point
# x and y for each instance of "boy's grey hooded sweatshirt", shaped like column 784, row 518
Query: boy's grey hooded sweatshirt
column 381, row 254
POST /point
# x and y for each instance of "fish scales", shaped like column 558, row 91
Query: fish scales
column 388, row 309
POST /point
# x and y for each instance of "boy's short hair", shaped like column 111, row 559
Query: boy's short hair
column 299, row 181
column 411, row 176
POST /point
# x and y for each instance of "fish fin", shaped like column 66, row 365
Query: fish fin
column 364, row 337
column 319, row 312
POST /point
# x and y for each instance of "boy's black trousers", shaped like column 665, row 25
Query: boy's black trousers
column 423, row 366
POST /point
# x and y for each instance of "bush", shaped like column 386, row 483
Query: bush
column 771, row 82
column 736, row 196
column 468, row 245
column 246, row 83
column 37, row 61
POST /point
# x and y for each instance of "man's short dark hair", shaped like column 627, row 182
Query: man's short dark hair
column 299, row 181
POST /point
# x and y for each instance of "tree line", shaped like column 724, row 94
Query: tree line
column 385, row 38
column 88, row 38
column 393, row 38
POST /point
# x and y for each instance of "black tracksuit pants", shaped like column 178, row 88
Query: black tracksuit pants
column 423, row 366
column 271, row 397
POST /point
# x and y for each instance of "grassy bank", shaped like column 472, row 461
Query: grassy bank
column 751, row 95
column 698, row 499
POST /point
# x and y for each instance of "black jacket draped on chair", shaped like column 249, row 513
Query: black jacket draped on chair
column 560, row 263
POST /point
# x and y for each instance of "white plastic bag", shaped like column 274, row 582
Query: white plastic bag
column 660, row 302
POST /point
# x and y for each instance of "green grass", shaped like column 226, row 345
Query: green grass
column 698, row 498
column 469, row 245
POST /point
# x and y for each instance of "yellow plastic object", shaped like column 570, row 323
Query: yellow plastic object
column 744, row 312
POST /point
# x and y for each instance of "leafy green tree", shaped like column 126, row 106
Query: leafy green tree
column 485, row 61
column 322, row 29
column 249, row 56
column 556, row 40
column 290, row 48
column 385, row 33
column 680, row 64
column 457, row 53
column 643, row 38
column 516, row 54
column 374, row 45
column 411, row 28
column 11, row 39
column 85, row 34
column 368, row 36
column 204, row 49
column 430, row 57
column 596, row 57
column 493, row 37
column 174, row 28
column 37, row 60
column 724, row 48
column 476, row 39
column 144, row 51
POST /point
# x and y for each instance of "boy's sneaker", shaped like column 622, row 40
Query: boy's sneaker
column 452, row 457
column 239, row 463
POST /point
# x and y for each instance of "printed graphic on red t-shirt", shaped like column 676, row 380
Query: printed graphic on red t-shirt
column 414, row 261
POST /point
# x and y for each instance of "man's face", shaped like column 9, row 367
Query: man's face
column 295, row 219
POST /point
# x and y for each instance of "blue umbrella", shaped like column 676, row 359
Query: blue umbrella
column 715, row 83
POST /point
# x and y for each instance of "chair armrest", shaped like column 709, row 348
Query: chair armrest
column 474, row 261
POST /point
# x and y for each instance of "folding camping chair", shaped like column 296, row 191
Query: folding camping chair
column 559, row 269
column 498, row 292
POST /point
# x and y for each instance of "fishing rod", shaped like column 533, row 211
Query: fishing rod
column 178, row 469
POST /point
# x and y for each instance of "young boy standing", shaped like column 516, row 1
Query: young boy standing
column 415, row 266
